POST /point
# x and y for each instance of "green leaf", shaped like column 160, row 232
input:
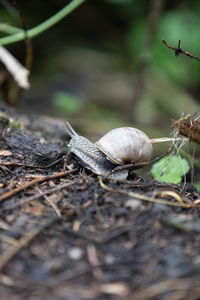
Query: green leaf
column 170, row 170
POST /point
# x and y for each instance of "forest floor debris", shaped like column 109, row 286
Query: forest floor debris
column 67, row 234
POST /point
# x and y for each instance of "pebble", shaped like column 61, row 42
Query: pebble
column 109, row 259
column 75, row 253
column 133, row 203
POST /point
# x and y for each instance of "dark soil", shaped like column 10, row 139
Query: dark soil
column 107, row 244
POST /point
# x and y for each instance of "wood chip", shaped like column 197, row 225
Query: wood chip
column 5, row 153
column 76, row 225
column 116, row 288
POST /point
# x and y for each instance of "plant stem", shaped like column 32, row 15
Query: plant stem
column 9, row 29
column 166, row 139
column 43, row 26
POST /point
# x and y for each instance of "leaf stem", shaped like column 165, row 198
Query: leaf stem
column 9, row 29
column 43, row 26
column 166, row 139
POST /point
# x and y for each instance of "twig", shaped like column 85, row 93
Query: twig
column 94, row 261
column 177, row 224
column 54, row 163
column 9, row 253
column 38, row 195
column 13, row 163
column 139, row 165
column 170, row 287
column 146, row 198
column 167, row 139
column 19, row 73
column 115, row 234
column 171, row 194
column 30, row 183
column 179, row 51
column 51, row 202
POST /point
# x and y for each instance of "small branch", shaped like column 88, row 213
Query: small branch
column 38, row 195
column 179, row 51
column 43, row 26
column 166, row 139
column 146, row 198
column 139, row 165
column 9, row 253
column 176, row 223
column 94, row 261
column 30, row 183
column 18, row 164
column 19, row 73
column 51, row 202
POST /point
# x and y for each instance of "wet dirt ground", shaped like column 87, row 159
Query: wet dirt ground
column 65, row 233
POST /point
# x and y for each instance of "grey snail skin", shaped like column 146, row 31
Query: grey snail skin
column 120, row 146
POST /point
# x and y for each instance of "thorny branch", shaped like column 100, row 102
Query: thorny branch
column 179, row 51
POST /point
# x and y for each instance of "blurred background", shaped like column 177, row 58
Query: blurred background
column 105, row 66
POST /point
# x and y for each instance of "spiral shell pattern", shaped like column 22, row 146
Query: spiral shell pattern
column 126, row 145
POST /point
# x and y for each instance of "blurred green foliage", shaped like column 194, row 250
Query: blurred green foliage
column 197, row 186
column 172, row 26
column 66, row 102
column 16, row 124
column 121, row 2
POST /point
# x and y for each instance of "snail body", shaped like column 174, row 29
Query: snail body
column 125, row 145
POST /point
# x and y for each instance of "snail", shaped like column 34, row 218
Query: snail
column 117, row 151
column 121, row 146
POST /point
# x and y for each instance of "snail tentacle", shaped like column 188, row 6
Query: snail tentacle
column 71, row 132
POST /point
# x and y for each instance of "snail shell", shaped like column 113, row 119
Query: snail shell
column 126, row 145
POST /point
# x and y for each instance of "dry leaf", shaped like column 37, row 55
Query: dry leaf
column 5, row 153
